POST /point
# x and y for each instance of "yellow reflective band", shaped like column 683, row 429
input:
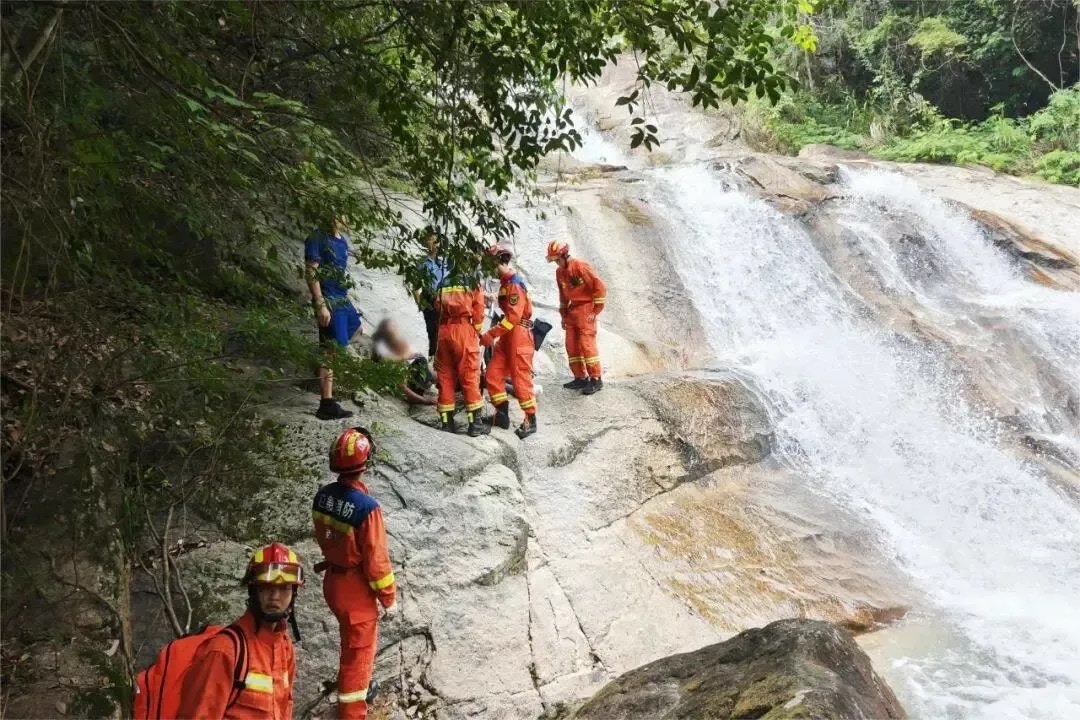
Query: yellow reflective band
column 331, row 521
column 498, row 398
column 384, row 581
column 506, row 324
column 590, row 361
column 526, row 404
column 446, row 408
column 599, row 301
column 454, row 288
column 473, row 407
column 259, row 682
column 351, row 697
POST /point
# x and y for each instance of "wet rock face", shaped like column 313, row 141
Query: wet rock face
column 788, row 669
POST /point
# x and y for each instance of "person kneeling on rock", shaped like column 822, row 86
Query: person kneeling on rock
column 359, row 577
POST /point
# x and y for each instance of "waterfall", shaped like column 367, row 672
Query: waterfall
column 883, row 423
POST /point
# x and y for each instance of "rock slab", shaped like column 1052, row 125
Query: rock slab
column 787, row 669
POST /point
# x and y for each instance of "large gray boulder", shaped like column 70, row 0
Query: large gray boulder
column 787, row 669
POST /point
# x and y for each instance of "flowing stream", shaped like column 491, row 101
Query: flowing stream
column 882, row 423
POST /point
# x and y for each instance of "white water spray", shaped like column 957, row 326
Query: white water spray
column 881, row 424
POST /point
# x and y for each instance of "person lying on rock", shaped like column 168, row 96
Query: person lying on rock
column 359, row 578
column 326, row 256
column 582, row 295
column 388, row 344
column 513, row 353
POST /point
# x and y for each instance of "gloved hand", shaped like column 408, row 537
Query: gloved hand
column 486, row 340
column 389, row 613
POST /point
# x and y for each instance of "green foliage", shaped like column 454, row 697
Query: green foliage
column 933, row 35
column 1060, row 166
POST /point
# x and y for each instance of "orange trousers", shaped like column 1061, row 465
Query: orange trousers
column 513, row 356
column 356, row 611
column 581, row 348
column 457, row 359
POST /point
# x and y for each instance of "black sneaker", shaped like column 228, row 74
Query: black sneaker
column 527, row 428
column 331, row 410
column 576, row 384
column 594, row 385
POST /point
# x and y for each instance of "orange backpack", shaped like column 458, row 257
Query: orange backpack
column 157, row 688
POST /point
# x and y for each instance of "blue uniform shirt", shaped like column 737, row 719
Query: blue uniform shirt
column 332, row 254
column 437, row 270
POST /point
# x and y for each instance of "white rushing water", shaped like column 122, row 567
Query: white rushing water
column 882, row 425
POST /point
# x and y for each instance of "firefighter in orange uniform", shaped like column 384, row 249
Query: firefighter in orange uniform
column 359, row 578
column 208, row 687
column 582, row 295
column 460, row 306
column 513, row 354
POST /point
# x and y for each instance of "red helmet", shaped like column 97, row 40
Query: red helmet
column 352, row 451
column 500, row 251
column 274, row 564
column 556, row 249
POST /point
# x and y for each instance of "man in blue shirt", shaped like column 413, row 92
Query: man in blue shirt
column 434, row 269
column 326, row 255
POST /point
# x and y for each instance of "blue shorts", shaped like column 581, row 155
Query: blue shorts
column 344, row 322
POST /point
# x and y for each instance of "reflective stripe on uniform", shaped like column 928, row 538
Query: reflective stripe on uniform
column 506, row 324
column 258, row 682
column 384, row 581
column 453, row 288
column 599, row 301
column 591, row 360
column 446, row 408
column 331, row 521
column 351, row 697
column 473, row 407
column 498, row 398
column 526, row 404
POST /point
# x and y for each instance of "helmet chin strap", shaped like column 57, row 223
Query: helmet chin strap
column 273, row 618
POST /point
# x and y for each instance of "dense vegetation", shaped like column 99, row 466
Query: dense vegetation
column 992, row 82
column 161, row 163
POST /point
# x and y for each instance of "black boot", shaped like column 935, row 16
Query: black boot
column 477, row 426
column 447, row 423
column 527, row 428
column 576, row 384
column 594, row 385
column 501, row 418
column 329, row 409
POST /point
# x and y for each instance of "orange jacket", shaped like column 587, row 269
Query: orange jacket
column 268, row 685
column 514, row 303
column 349, row 529
column 457, row 303
column 579, row 285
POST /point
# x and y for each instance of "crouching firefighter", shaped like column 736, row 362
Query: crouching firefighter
column 460, row 305
column 513, row 354
column 247, row 670
column 359, row 578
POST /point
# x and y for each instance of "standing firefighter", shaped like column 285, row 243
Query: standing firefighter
column 581, row 298
column 359, row 578
column 457, row 360
column 247, row 670
column 513, row 354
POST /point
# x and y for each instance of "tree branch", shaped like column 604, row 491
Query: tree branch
column 1012, row 37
